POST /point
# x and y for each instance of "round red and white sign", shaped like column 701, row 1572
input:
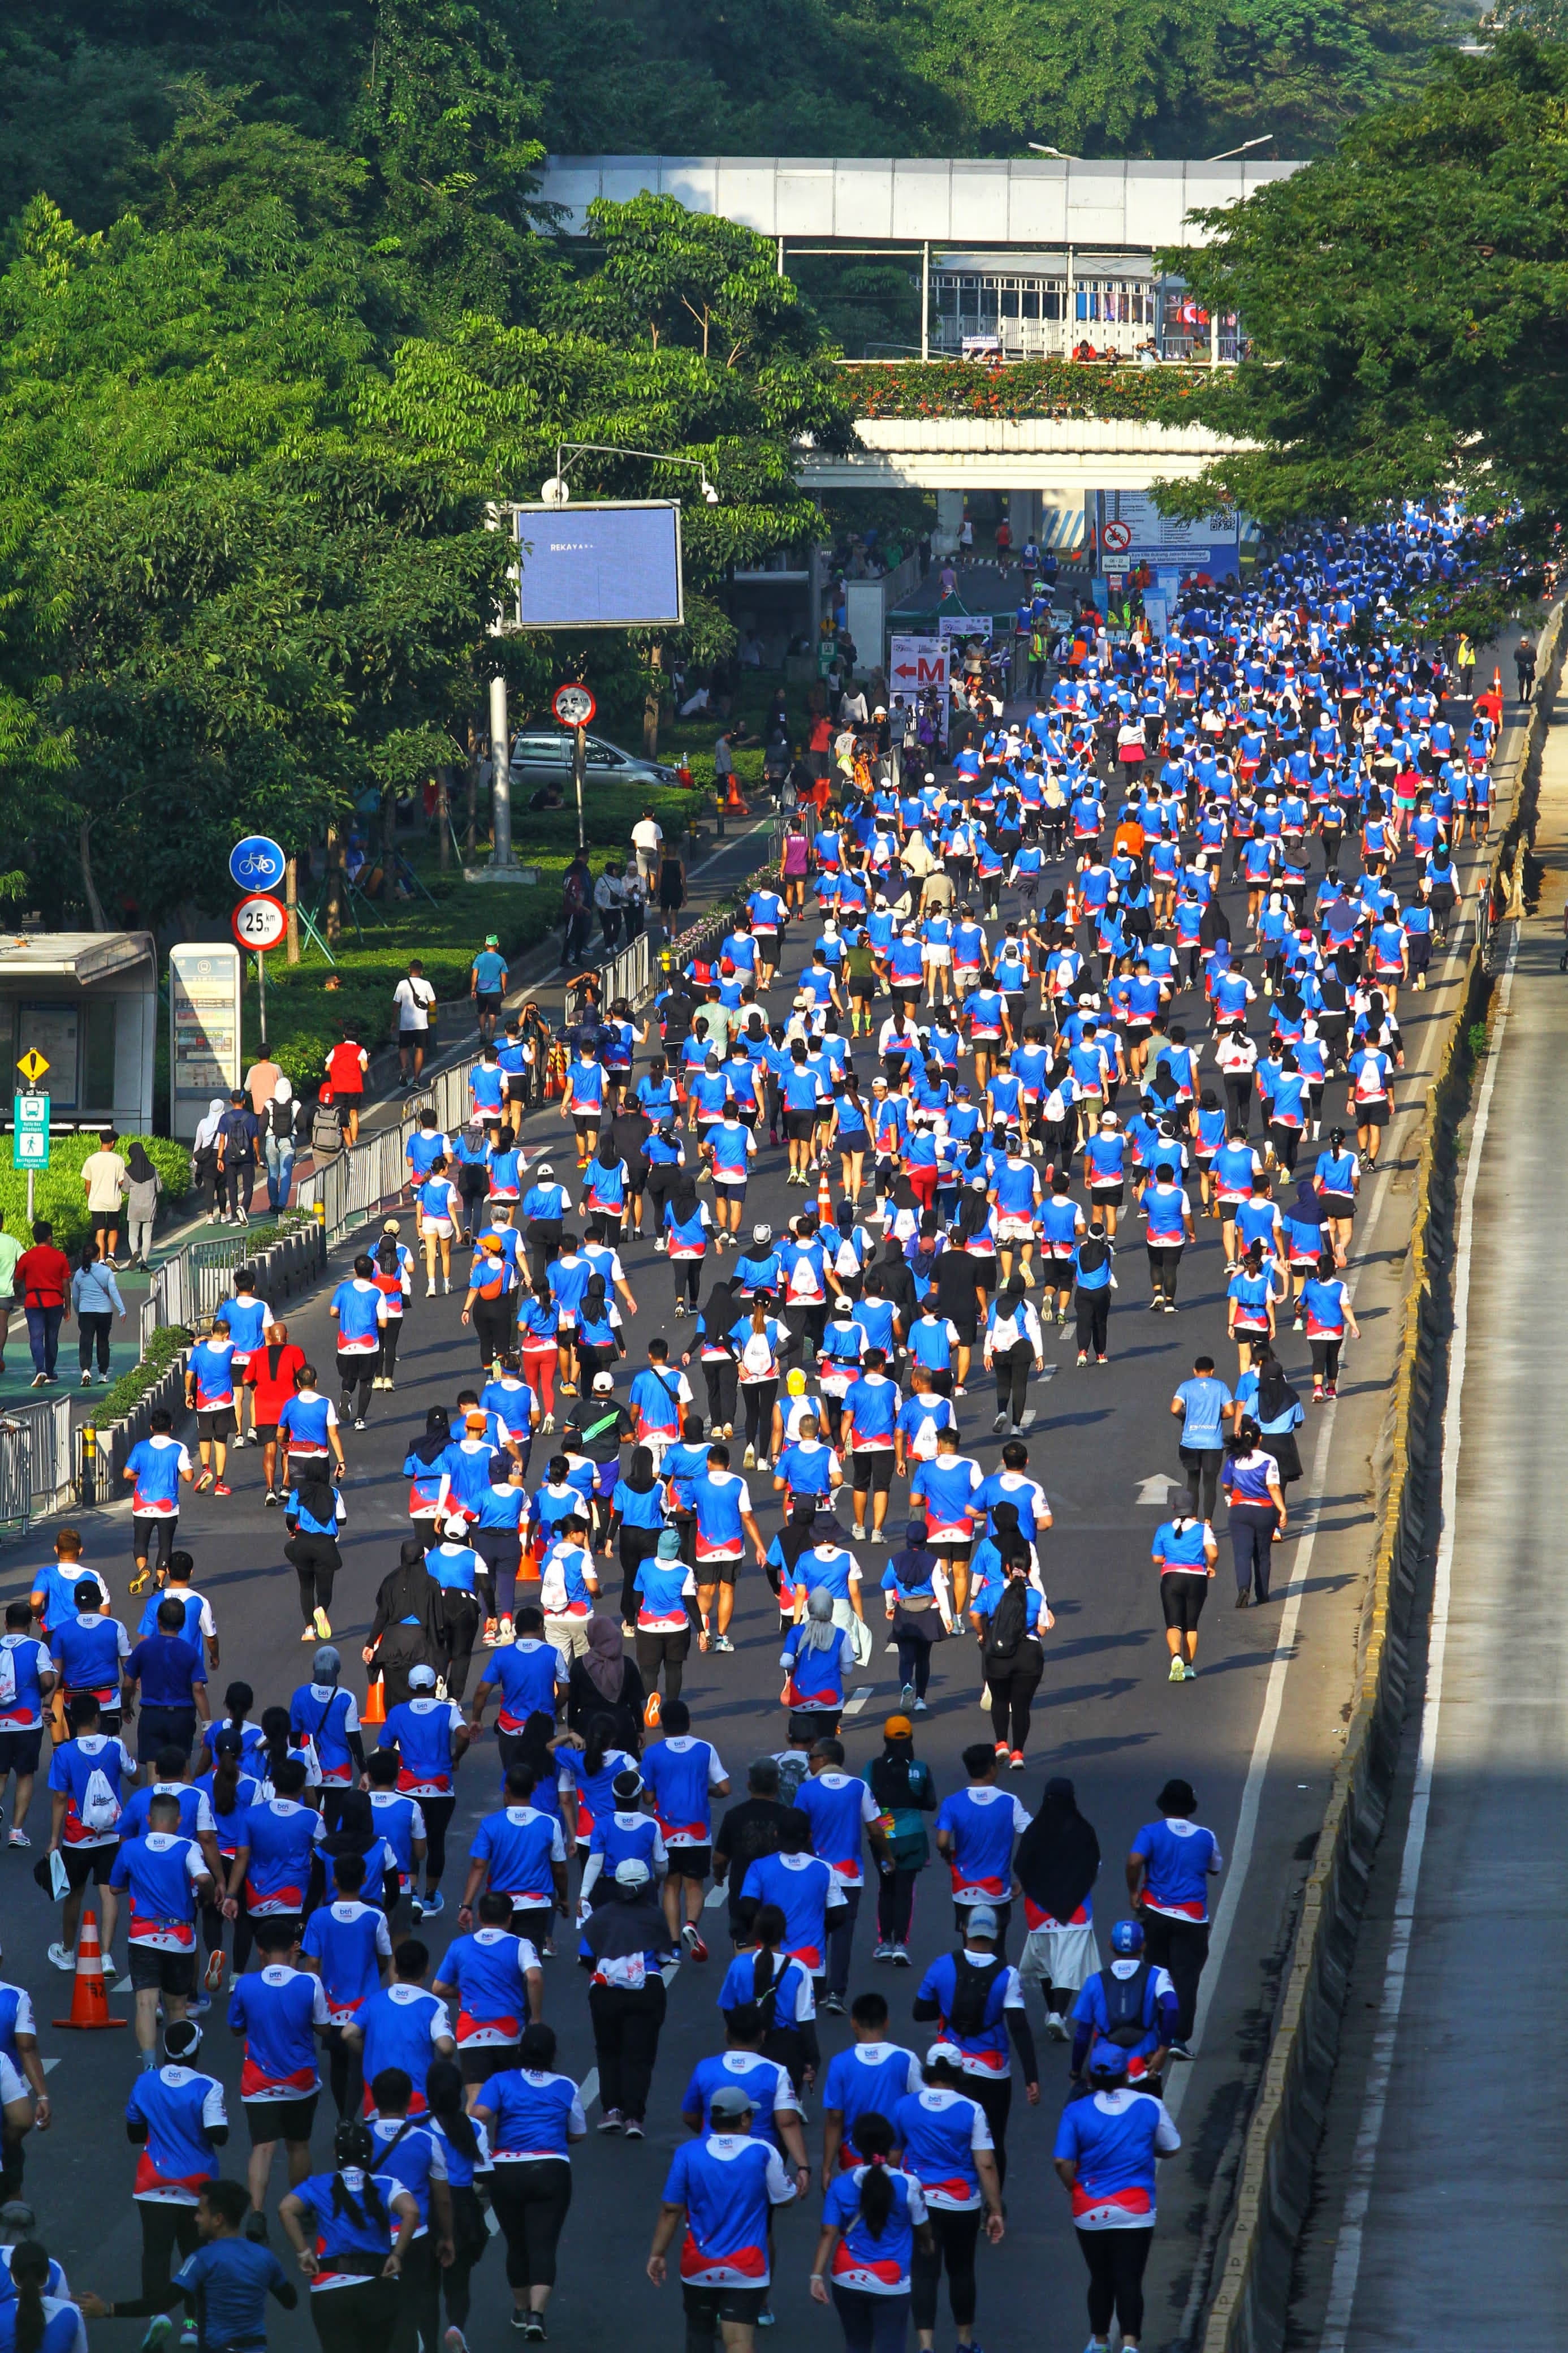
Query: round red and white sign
column 574, row 706
column 1118, row 538
column 259, row 923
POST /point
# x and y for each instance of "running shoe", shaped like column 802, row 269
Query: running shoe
column 157, row 2332
column 211, row 1975
column 1003, row 1749
column 434, row 1904
column 1016, row 1762
column 1180, row 2050
column 920, row 1708
column 907, row 1697
column 272, row 1498
column 901, row 1956
column 881, row 1952
column 611, row 2121
column 454, row 2342
column 632, row 2129
column 721, row 1642
column 832, row 2005
column 222, row 1487
column 691, row 1940
column 204, row 1483
column 324, row 1625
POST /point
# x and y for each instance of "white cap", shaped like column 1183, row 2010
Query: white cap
column 421, row 1678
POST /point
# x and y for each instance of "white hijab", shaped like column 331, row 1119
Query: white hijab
column 206, row 1133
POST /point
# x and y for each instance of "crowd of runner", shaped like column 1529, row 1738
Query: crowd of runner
column 1110, row 1050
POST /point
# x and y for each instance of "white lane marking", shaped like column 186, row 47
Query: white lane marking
column 1257, row 1769
column 1363, row 2160
column 590, row 2089
column 730, row 842
column 49, row 2066
column 856, row 1701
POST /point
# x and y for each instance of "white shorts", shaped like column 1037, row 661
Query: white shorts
column 440, row 1226
column 938, row 958
column 1014, row 1230
column 13, row 2086
column 1067, row 1957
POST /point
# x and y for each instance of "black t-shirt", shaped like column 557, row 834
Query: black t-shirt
column 747, row 1831
column 956, row 1285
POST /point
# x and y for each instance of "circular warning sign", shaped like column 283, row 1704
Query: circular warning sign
column 259, row 923
column 574, row 706
column 1117, row 538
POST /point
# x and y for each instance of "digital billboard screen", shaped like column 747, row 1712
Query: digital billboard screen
column 600, row 567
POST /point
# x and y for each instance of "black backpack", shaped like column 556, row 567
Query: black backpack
column 1124, row 2000
column 971, row 1993
column 1009, row 1622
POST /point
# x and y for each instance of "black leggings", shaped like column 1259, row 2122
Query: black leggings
column 495, row 1322
column 721, row 1377
column 1182, row 1597
column 626, row 2024
column 1252, row 1527
column 437, row 1813
column 358, row 2319
column 1093, row 1309
column 531, row 2202
column 386, row 1362
column 1164, row 1265
column 1011, row 1367
column 1013, row 1691
column 914, row 1658
column 667, row 1650
column 688, row 1273
column 636, row 1545
column 317, row 1560
column 1202, row 1465
column 355, row 1374
column 1326, row 1359
column 760, row 1398
column 164, row 2228
column 1116, row 2260
column 469, row 2239
column 896, row 1903
column 93, row 1328
column 954, row 2237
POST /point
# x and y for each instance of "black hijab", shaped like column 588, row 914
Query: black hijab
column 1059, row 1855
column 1275, row 1394
column 437, row 1436
column 913, row 1566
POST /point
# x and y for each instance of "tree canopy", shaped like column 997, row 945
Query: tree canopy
column 1407, row 301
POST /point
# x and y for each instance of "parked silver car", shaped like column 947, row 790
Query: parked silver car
column 545, row 753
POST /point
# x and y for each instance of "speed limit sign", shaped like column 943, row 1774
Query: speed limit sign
column 1118, row 538
column 259, row 923
column 574, row 706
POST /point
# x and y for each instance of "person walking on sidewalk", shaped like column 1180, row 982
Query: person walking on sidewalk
column 43, row 1278
column 346, row 1066
column 103, row 1181
column 95, row 1296
column 1169, row 1868
column 416, row 1002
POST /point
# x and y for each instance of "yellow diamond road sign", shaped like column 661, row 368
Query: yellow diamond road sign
column 32, row 1066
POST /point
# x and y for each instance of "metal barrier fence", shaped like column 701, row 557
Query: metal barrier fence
column 36, row 1461
column 630, row 974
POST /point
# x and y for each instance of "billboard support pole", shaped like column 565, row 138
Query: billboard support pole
column 579, row 758
column 501, row 774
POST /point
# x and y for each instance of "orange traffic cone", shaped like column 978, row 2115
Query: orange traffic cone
column 90, row 1995
column 734, row 806
column 374, row 1702
column 824, row 1199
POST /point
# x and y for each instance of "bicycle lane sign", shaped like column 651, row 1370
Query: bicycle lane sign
column 256, row 864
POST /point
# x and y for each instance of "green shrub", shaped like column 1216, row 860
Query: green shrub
column 161, row 1350
column 58, row 1191
column 1477, row 1035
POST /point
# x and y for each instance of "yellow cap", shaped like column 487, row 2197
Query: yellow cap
column 795, row 1384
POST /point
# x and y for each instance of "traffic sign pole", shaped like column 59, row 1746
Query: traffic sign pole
column 575, row 707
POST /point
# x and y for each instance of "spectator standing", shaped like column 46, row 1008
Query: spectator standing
column 43, row 1277
column 102, row 1177
column 577, row 909
column 609, row 898
column 416, row 1002
column 346, row 1066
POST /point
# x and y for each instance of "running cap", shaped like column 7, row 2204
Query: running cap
column 631, row 1872
column 669, row 1544
column 982, row 1921
column 761, row 1233
column 421, row 1678
column 941, row 2050
column 796, row 1383
column 603, row 1384
column 729, row 2103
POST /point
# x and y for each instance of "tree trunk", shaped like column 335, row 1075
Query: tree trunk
column 470, row 832
column 443, row 818
column 651, row 703
column 84, row 854
column 292, row 901
column 389, row 844
column 335, row 887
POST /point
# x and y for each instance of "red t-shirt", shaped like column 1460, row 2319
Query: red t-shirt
column 43, row 1276
column 345, row 1071
column 273, row 1388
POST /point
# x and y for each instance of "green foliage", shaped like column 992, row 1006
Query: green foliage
column 58, row 1190
column 1168, row 394
column 1406, row 298
column 164, row 1346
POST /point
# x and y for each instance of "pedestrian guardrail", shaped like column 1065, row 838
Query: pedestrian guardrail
column 36, row 1461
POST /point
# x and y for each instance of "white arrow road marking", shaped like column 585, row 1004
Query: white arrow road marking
column 1154, row 1491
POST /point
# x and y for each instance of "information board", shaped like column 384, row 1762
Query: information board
column 204, row 1031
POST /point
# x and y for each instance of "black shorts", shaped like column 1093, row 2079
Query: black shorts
column 862, row 987
column 1107, row 1197
column 85, row 1863
column 267, row 1431
column 479, row 2062
column 19, row 1751
column 487, row 1000
column 689, row 1861
column 799, row 1125
column 738, row 2304
column 271, row 2120
column 1372, row 1115
column 1182, row 1597
column 218, row 1423
column 1338, row 1204
column 872, row 1468
column 716, row 1572
column 160, row 1972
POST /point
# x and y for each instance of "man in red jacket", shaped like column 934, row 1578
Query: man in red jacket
column 44, row 1279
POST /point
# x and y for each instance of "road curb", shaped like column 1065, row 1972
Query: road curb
column 1275, row 2187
